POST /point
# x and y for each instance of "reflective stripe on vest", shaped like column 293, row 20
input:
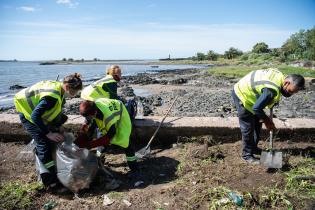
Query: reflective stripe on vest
column 119, row 113
column 131, row 158
column 249, row 88
column 254, row 84
column 27, row 99
column 114, row 114
column 29, row 94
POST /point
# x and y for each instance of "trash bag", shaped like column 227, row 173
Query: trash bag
column 27, row 153
column 76, row 167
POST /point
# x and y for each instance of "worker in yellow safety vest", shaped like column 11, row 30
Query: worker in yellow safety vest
column 258, row 90
column 113, row 121
column 105, row 87
column 40, row 111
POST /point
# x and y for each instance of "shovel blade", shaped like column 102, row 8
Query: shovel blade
column 144, row 152
column 271, row 159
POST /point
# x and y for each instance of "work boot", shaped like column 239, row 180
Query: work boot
column 57, row 188
column 252, row 160
column 257, row 151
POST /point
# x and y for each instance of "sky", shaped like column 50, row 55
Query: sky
column 145, row 29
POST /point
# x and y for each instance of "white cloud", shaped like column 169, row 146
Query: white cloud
column 69, row 3
column 136, row 41
column 27, row 8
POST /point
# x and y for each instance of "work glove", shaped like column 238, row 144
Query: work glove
column 102, row 141
column 82, row 141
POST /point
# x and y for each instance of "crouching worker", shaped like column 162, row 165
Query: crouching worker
column 107, row 88
column 113, row 122
column 40, row 111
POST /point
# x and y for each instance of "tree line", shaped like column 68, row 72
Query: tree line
column 300, row 46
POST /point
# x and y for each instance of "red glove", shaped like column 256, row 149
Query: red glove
column 102, row 141
column 82, row 141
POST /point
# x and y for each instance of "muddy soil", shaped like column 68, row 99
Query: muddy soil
column 183, row 176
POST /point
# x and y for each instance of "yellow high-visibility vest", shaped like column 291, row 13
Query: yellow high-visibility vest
column 249, row 88
column 95, row 90
column 27, row 99
column 114, row 113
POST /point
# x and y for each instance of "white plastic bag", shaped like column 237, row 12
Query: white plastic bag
column 76, row 167
column 27, row 153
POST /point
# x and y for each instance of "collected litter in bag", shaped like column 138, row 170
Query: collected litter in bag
column 76, row 167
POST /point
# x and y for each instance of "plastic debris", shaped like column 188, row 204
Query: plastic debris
column 127, row 202
column 223, row 201
column 138, row 183
column 238, row 200
column 107, row 201
column 50, row 205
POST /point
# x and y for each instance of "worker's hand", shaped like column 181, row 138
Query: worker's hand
column 82, row 141
column 84, row 128
column 269, row 124
column 56, row 137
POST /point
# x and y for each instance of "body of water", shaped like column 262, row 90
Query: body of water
column 28, row 73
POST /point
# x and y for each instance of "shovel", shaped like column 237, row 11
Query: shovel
column 145, row 151
column 271, row 159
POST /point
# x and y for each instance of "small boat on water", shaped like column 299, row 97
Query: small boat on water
column 154, row 66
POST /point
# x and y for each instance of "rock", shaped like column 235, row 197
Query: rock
column 178, row 81
column 126, row 202
column 16, row 87
column 107, row 201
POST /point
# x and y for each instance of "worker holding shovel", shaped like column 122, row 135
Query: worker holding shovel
column 254, row 92
column 111, row 118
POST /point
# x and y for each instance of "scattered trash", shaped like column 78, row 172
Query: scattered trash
column 222, row 201
column 166, row 204
column 238, row 200
column 162, row 175
column 76, row 167
column 50, row 205
column 138, row 183
column 127, row 202
column 27, row 153
column 107, row 201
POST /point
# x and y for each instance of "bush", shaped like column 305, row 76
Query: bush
column 261, row 47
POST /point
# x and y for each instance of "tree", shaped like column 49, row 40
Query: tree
column 232, row 53
column 212, row 56
column 310, row 44
column 261, row 47
column 295, row 45
column 70, row 59
column 95, row 59
column 64, row 59
column 200, row 56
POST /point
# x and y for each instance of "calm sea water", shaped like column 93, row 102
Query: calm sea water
column 28, row 73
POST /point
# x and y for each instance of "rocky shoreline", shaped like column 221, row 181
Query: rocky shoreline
column 200, row 94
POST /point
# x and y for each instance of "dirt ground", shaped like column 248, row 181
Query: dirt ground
column 186, row 175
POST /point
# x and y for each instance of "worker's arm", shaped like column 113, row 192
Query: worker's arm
column 264, row 99
column 46, row 103
column 104, row 140
column 112, row 89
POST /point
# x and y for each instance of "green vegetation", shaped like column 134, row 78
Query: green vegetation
column 301, row 188
column 115, row 195
column 15, row 195
column 299, row 47
column 240, row 71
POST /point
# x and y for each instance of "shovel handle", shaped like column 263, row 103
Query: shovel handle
column 161, row 122
column 271, row 132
